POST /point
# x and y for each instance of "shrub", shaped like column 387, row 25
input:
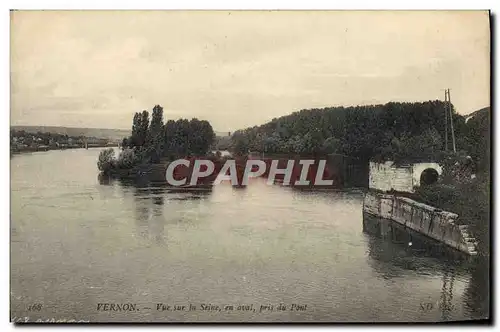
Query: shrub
column 106, row 160
column 470, row 200
column 127, row 159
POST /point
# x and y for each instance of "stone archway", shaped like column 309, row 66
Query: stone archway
column 428, row 176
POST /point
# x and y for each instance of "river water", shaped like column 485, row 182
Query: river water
column 78, row 243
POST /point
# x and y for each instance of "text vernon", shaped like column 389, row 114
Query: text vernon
column 117, row 307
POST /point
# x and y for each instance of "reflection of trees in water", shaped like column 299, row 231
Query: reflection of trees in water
column 389, row 241
column 149, row 204
column 388, row 247
column 150, row 199
column 142, row 211
column 475, row 296
column 446, row 297
column 104, row 179
column 391, row 257
column 477, row 293
column 106, row 188
column 386, row 258
column 157, row 226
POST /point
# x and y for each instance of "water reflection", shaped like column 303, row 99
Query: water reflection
column 389, row 256
column 150, row 223
column 446, row 298
column 394, row 249
column 153, row 202
column 477, row 293
column 390, row 240
column 157, row 225
column 104, row 179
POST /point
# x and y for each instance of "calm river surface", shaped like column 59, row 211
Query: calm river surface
column 76, row 243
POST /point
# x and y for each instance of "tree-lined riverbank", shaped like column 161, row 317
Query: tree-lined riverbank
column 23, row 141
column 399, row 132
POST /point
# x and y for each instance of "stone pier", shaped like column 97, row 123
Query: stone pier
column 427, row 220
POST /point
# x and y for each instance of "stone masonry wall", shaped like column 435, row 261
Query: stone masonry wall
column 434, row 223
column 386, row 176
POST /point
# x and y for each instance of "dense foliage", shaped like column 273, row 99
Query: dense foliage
column 466, row 191
column 222, row 143
column 469, row 198
column 477, row 140
column 21, row 140
column 43, row 138
column 396, row 131
column 153, row 140
column 106, row 160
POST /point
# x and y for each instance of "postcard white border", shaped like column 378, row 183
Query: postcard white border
column 189, row 4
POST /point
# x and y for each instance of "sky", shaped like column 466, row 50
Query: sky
column 241, row 68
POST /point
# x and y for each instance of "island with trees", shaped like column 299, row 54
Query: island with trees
column 153, row 144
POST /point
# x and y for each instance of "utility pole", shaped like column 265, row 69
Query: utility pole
column 445, row 120
column 451, row 123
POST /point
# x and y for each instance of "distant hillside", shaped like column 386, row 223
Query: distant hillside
column 112, row 134
column 483, row 112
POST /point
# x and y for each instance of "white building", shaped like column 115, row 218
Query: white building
column 386, row 176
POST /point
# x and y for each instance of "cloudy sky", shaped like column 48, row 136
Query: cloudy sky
column 238, row 69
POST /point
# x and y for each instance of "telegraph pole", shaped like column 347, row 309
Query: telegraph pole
column 451, row 123
column 445, row 120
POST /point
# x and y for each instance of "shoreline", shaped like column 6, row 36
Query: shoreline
column 32, row 150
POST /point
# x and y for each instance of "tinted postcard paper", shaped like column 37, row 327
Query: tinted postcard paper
column 250, row 166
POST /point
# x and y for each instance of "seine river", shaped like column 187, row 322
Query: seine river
column 93, row 250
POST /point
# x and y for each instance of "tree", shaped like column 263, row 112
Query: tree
column 272, row 143
column 239, row 144
column 169, row 130
column 222, row 143
column 196, row 137
column 156, row 121
column 125, row 143
column 183, row 138
column 331, row 145
column 143, row 127
column 429, row 142
column 478, row 138
column 155, row 142
column 364, row 132
column 207, row 135
column 136, row 128
column 106, row 160
column 126, row 159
